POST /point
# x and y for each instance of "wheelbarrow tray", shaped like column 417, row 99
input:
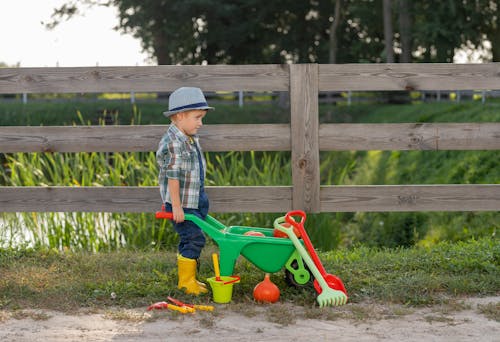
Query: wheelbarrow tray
column 267, row 252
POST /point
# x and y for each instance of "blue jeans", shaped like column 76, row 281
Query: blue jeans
column 191, row 237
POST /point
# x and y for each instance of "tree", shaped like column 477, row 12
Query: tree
column 388, row 33
column 492, row 26
column 442, row 27
column 405, row 31
column 359, row 34
column 210, row 31
column 326, row 31
column 334, row 24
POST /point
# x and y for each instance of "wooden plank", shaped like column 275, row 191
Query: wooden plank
column 484, row 197
column 163, row 78
column 470, row 197
column 266, row 77
column 79, row 199
column 80, row 138
column 245, row 137
column 304, row 136
column 236, row 199
column 266, row 137
column 138, row 199
column 409, row 76
column 419, row 136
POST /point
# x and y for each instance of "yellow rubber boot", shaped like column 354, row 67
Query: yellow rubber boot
column 187, row 276
column 197, row 270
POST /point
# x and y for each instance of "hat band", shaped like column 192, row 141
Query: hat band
column 193, row 105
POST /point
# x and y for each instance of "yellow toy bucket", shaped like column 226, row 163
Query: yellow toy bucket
column 222, row 289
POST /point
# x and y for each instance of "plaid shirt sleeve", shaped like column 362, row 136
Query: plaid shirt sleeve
column 172, row 159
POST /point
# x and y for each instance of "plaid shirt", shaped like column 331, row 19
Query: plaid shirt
column 178, row 159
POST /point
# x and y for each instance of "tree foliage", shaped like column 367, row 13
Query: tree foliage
column 257, row 31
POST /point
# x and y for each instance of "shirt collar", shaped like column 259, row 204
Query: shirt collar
column 180, row 135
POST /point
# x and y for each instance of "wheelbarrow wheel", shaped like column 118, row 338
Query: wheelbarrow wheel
column 297, row 279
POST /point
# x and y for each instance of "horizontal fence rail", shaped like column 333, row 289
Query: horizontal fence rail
column 421, row 136
column 268, row 77
column 409, row 77
column 161, row 78
column 244, row 137
column 256, row 198
column 304, row 137
column 269, row 137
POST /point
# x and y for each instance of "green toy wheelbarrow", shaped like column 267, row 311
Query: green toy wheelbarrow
column 268, row 253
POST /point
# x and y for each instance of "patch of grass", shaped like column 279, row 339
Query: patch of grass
column 63, row 281
column 65, row 113
column 419, row 275
column 34, row 315
column 490, row 310
column 245, row 309
column 451, row 306
column 439, row 319
column 131, row 316
column 207, row 322
column 359, row 312
column 155, row 315
column 281, row 314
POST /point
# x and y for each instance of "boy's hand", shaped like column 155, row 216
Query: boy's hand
column 178, row 213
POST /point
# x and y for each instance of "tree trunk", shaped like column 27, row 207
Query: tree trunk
column 495, row 41
column 161, row 50
column 162, row 57
column 405, row 31
column 333, row 33
column 495, row 46
column 388, row 33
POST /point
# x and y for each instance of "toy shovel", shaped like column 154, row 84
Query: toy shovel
column 328, row 296
column 333, row 281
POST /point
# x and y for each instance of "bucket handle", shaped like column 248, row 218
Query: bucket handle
column 236, row 279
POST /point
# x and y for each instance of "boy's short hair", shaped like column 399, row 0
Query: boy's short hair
column 184, row 99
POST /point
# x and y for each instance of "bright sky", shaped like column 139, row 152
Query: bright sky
column 82, row 41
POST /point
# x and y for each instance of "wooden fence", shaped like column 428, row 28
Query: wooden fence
column 304, row 136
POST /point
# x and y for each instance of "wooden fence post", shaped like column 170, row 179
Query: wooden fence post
column 304, row 91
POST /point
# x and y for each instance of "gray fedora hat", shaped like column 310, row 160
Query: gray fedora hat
column 184, row 99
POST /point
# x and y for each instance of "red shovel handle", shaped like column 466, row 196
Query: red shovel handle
column 307, row 241
column 289, row 217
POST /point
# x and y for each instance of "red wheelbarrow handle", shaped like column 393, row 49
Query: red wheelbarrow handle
column 164, row 215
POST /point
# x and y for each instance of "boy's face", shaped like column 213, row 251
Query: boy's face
column 189, row 122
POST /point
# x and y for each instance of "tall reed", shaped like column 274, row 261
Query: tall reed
column 97, row 231
column 88, row 231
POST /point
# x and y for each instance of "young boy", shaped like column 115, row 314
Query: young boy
column 181, row 178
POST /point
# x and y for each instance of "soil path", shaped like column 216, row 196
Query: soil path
column 468, row 320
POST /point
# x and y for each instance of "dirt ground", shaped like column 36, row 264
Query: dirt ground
column 466, row 320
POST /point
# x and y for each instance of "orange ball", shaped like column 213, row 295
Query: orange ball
column 253, row 233
column 279, row 234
